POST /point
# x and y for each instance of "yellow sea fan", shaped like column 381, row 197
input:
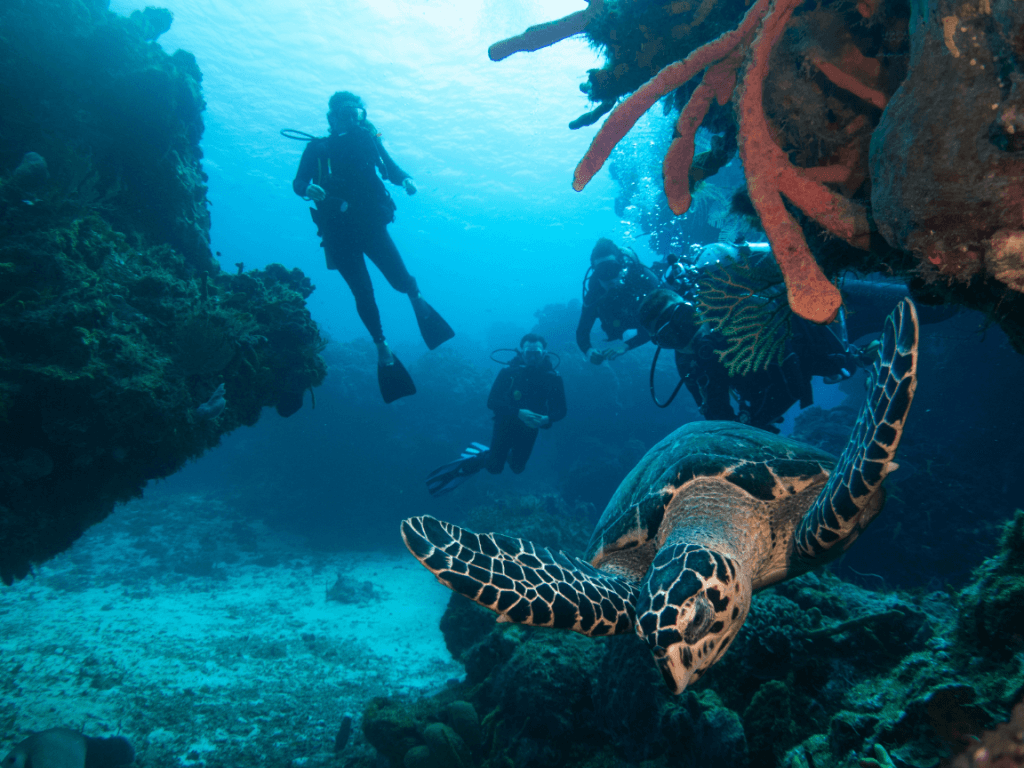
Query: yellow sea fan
column 745, row 300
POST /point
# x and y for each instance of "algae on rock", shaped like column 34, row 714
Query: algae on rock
column 116, row 323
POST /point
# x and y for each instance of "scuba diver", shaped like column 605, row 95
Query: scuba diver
column 339, row 174
column 527, row 396
column 763, row 395
column 612, row 290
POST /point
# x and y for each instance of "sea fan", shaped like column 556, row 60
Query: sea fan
column 746, row 301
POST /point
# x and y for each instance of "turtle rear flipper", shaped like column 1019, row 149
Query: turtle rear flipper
column 853, row 496
column 521, row 582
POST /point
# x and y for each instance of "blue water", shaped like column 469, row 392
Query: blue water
column 216, row 596
column 495, row 232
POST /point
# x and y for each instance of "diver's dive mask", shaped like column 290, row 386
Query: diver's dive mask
column 346, row 114
column 533, row 357
column 608, row 270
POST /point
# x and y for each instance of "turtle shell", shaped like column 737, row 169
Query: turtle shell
column 764, row 465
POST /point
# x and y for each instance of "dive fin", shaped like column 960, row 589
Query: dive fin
column 450, row 476
column 394, row 381
column 433, row 328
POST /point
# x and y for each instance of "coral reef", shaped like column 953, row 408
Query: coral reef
column 1000, row 748
column 868, row 141
column 117, row 119
column 992, row 609
column 824, row 673
column 116, row 325
column 954, row 196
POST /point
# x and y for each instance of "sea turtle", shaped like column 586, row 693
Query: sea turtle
column 714, row 512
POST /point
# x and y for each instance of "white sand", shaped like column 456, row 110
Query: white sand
column 246, row 662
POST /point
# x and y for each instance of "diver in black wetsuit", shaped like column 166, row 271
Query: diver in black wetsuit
column 763, row 396
column 615, row 284
column 527, row 396
column 353, row 209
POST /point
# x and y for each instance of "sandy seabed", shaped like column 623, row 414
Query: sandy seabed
column 208, row 640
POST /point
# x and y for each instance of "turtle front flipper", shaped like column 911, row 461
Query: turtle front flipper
column 853, row 494
column 521, row 582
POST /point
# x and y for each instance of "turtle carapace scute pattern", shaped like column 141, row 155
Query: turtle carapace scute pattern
column 711, row 514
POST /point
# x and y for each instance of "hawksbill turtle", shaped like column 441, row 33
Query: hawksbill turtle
column 711, row 514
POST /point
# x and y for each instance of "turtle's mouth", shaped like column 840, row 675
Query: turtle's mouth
column 676, row 674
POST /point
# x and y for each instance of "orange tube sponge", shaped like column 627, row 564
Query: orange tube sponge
column 718, row 83
column 625, row 115
column 770, row 175
column 542, row 35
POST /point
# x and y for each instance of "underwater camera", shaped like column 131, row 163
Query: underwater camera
column 669, row 318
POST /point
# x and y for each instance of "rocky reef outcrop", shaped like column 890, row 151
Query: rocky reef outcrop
column 125, row 350
column 875, row 135
column 823, row 674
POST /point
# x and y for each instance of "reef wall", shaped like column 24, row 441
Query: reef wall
column 125, row 350
column 875, row 135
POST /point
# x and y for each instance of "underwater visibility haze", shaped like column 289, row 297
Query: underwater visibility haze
column 507, row 383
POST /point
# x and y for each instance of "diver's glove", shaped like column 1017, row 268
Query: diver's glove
column 410, row 187
column 316, row 193
column 596, row 356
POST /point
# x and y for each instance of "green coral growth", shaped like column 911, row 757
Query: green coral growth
column 116, row 324
column 106, row 351
column 746, row 301
column 992, row 608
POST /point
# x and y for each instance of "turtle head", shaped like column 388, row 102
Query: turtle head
column 692, row 604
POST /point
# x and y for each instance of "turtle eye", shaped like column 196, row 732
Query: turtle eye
column 701, row 621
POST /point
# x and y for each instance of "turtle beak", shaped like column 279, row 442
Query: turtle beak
column 675, row 673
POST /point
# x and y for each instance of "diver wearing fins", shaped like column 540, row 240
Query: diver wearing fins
column 612, row 290
column 527, row 396
column 353, row 208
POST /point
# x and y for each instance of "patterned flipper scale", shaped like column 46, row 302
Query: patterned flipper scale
column 521, row 582
column 847, row 503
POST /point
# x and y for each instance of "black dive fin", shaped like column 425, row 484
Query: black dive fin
column 433, row 328
column 450, row 476
column 394, row 381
